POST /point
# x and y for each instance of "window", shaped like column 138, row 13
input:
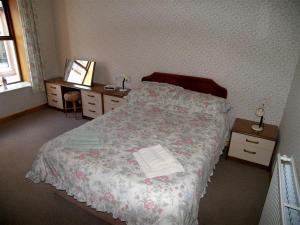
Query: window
column 9, row 64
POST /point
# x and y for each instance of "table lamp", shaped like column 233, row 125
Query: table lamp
column 260, row 113
column 125, row 78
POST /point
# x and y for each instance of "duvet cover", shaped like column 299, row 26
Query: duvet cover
column 109, row 179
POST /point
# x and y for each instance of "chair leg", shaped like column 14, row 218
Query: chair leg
column 79, row 109
column 74, row 106
column 74, row 109
column 65, row 108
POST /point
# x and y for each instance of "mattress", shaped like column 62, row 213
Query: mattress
column 109, row 179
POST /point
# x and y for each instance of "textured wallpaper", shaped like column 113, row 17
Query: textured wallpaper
column 249, row 47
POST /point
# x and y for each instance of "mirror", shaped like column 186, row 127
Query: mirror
column 80, row 72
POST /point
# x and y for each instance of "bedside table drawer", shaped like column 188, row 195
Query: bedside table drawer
column 251, row 148
column 247, row 141
column 256, row 155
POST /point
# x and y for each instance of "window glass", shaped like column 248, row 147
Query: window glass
column 9, row 65
column 3, row 56
column 8, row 62
column 3, row 21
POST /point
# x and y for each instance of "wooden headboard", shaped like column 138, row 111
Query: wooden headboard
column 199, row 84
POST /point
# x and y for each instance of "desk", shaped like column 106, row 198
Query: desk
column 95, row 100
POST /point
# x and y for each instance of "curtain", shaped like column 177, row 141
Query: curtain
column 34, row 59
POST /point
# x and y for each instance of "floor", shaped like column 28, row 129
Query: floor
column 235, row 196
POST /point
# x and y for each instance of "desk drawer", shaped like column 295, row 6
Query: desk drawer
column 92, row 113
column 53, row 89
column 91, row 104
column 54, row 95
column 55, row 101
column 112, row 102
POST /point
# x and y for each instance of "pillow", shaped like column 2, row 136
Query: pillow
column 154, row 92
column 191, row 101
column 175, row 98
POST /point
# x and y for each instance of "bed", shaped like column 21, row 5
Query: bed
column 170, row 110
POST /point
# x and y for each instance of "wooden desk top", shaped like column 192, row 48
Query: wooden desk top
column 96, row 87
column 270, row 132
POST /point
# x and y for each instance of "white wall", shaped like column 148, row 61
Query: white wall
column 290, row 124
column 19, row 100
column 15, row 101
column 250, row 47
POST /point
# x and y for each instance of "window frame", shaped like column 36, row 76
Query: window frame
column 11, row 37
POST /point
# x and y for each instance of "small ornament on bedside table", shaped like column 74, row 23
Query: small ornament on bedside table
column 260, row 113
column 125, row 78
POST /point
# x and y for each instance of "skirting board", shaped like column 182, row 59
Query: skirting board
column 19, row 114
column 106, row 217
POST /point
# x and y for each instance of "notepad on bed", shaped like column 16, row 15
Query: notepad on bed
column 157, row 161
column 82, row 141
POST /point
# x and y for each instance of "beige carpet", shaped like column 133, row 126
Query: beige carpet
column 234, row 197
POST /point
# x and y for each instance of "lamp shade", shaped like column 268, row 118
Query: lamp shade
column 260, row 112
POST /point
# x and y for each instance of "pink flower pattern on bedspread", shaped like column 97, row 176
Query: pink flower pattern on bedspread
column 110, row 180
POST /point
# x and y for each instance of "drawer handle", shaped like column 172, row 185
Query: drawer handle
column 54, row 101
column 112, row 108
column 92, row 96
column 92, row 111
column 52, row 87
column 250, row 152
column 53, row 94
column 114, row 100
column 253, row 142
column 90, row 103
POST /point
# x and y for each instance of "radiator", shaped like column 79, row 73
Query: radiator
column 282, row 203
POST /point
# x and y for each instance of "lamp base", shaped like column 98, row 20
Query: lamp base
column 255, row 127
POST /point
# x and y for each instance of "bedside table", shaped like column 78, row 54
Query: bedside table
column 256, row 147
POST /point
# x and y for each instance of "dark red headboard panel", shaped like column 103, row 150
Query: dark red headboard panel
column 199, row 84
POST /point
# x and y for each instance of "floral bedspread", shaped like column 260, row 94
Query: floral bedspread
column 110, row 180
